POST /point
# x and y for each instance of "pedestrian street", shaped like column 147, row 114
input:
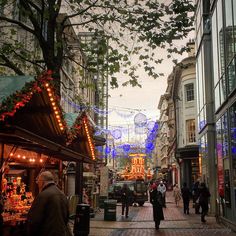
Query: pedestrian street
column 140, row 222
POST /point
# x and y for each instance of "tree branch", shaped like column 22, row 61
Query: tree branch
column 83, row 23
column 25, row 27
column 30, row 61
column 78, row 13
column 35, row 6
column 76, row 62
column 11, row 65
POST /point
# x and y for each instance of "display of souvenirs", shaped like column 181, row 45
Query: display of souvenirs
column 17, row 201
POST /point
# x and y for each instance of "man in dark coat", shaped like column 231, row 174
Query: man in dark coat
column 49, row 214
column 186, row 197
column 156, row 199
column 204, row 196
column 195, row 193
column 125, row 200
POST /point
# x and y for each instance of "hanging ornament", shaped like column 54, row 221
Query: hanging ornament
column 116, row 134
column 107, row 150
column 149, row 146
column 126, row 147
column 140, row 120
column 151, row 125
column 113, row 153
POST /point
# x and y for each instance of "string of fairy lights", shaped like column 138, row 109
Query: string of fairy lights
column 141, row 126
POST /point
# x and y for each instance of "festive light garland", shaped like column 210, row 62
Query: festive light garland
column 15, row 101
column 19, row 99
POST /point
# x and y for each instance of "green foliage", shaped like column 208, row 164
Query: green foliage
column 119, row 31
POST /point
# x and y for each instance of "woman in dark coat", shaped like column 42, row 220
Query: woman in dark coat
column 204, row 196
column 157, row 204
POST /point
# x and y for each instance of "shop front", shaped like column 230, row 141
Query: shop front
column 34, row 136
column 188, row 158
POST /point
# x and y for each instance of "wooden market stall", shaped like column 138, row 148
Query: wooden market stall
column 34, row 136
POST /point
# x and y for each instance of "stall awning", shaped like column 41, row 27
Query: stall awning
column 32, row 118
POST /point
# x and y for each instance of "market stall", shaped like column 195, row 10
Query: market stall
column 33, row 136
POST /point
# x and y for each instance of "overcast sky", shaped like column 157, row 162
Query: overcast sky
column 131, row 99
column 126, row 102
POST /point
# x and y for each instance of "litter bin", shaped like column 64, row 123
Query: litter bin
column 110, row 210
column 82, row 220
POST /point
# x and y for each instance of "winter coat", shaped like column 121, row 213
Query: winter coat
column 185, row 193
column 49, row 214
column 204, row 196
column 126, row 195
column 156, row 200
column 177, row 193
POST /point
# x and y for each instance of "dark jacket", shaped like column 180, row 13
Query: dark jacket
column 126, row 194
column 185, row 193
column 156, row 200
column 48, row 215
column 204, row 196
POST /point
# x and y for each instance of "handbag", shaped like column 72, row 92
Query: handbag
column 197, row 200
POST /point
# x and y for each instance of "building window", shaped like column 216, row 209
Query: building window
column 189, row 92
column 191, row 132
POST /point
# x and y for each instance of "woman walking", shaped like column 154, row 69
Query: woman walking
column 156, row 200
column 177, row 194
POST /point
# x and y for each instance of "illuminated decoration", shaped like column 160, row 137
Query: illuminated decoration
column 137, row 170
column 76, row 130
column 29, row 157
column 107, row 150
column 151, row 125
column 113, row 153
column 140, row 120
column 116, row 134
column 16, row 100
column 149, row 144
column 91, row 145
column 126, row 147
column 55, row 106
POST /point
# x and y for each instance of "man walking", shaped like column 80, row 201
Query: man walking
column 204, row 196
column 125, row 200
column 186, row 198
column 162, row 189
column 49, row 213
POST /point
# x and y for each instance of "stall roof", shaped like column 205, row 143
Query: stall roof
column 28, row 119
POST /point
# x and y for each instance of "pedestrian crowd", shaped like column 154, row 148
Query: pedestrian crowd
column 199, row 193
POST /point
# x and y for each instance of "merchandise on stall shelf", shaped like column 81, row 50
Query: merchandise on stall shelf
column 17, row 201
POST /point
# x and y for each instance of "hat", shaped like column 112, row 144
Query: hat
column 154, row 186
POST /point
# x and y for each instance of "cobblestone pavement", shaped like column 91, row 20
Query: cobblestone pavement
column 140, row 223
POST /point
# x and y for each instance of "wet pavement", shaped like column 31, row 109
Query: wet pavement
column 140, row 223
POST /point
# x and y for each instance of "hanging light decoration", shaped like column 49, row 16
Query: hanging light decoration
column 151, row 125
column 126, row 147
column 140, row 120
column 116, row 134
